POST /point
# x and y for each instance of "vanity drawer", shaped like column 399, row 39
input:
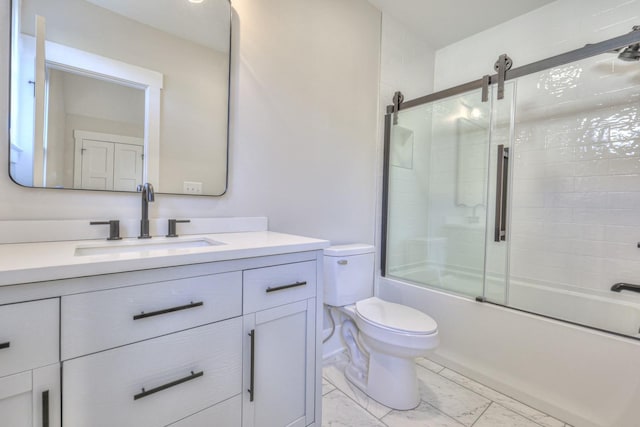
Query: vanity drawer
column 101, row 320
column 272, row 286
column 156, row 382
column 28, row 335
column 224, row 414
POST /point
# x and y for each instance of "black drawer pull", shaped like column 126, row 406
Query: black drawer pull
column 280, row 288
column 252, row 334
column 5, row 345
column 146, row 393
column 144, row 315
column 45, row 408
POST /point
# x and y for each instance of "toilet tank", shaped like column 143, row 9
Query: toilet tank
column 348, row 273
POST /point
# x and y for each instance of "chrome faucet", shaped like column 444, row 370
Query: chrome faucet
column 147, row 196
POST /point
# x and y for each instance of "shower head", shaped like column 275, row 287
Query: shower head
column 630, row 53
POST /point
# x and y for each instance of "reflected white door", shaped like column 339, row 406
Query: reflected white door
column 97, row 165
column 127, row 167
column 107, row 162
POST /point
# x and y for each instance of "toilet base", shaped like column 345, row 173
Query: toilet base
column 391, row 381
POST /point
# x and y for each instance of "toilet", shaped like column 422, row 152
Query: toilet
column 383, row 338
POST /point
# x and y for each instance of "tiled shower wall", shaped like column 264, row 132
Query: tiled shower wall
column 576, row 199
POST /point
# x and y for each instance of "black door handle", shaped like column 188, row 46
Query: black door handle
column 252, row 334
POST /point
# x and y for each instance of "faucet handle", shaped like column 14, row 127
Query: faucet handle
column 114, row 228
column 172, row 226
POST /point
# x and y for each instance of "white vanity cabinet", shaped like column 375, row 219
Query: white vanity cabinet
column 229, row 343
column 29, row 368
column 280, row 342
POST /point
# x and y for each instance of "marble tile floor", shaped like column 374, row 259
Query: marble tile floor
column 448, row 399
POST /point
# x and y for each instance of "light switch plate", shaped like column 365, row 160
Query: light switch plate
column 192, row 187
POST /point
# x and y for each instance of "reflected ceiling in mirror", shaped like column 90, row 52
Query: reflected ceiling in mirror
column 106, row 94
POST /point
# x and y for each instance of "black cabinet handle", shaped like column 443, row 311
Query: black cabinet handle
column 5, row 345
column 144, row 315
column 280, row 288
column 45, row 408
column 252, row 334
column 146, row 393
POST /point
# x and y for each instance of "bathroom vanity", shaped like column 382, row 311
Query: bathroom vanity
column 220, row 329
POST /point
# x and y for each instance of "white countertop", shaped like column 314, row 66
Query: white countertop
column 35, row 262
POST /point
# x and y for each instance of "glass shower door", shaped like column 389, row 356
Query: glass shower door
column 437, row 198
column 575, row 199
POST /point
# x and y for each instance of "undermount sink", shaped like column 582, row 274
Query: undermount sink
column 144, row 246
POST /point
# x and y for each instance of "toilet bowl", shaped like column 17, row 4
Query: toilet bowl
column 383, row 338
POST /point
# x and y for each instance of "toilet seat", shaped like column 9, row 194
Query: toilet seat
column 395, row 318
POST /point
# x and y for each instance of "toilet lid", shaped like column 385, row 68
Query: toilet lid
column 395, row 316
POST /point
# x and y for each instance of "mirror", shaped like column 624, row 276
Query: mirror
column 109, row 94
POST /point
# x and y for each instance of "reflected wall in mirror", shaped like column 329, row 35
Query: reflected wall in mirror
column 107, row 94
column 472, row 145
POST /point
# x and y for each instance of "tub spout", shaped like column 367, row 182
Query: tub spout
column 619, row 287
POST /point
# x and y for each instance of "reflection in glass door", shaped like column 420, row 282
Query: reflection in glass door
column 437, row 196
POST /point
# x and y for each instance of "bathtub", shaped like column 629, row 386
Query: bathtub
column 585, row 376
column 617, row 313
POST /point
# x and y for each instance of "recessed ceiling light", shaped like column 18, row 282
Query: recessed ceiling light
column 196, row 1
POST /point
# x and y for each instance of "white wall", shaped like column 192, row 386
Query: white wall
column 585, row 377
column 303, row 127
column 558, row 27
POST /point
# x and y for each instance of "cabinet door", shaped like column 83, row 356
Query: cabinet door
column 29, row 335
column 31, row 399
column 15, row 400
column 279, row 366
